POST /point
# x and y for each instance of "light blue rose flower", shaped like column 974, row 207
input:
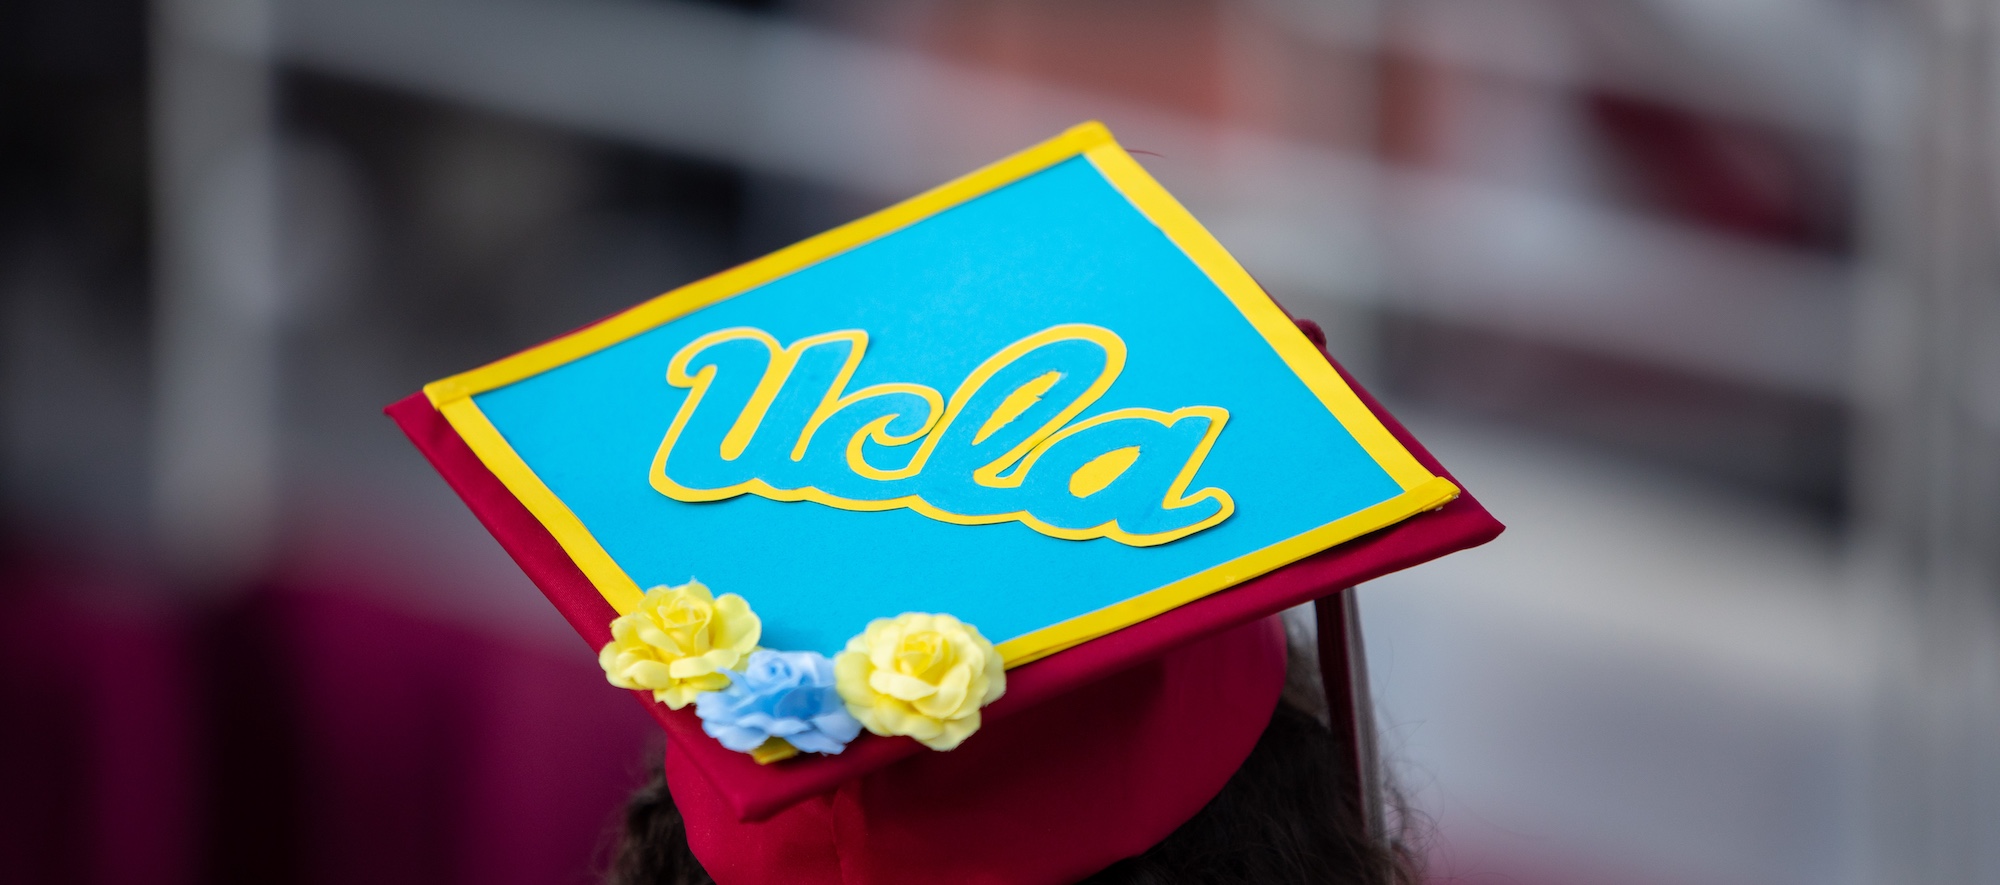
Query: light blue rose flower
column 786, row 694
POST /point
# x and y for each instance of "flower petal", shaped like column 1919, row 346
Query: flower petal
column 850, row 676
column 690, row 667
column 648, row 674
column 742, row 740
column 838, row 725
column 953, row 733
column 735, row 626
column 785, row 727
column 996, row 676
column 821, row 673
column 815, row 742
column 695, row 589
column 867, row 719
column 923, row 728
column 899, row 686
column 948, row 696
column 650, row 634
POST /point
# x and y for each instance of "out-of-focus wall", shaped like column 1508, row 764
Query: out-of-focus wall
column 1699, row 297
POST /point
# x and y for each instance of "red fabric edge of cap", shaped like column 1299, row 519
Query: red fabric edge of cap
column 758, row 791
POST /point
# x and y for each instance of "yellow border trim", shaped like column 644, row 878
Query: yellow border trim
column 1292, row 346
column 1047, row 641
column 1421, row 490
column 611, row 581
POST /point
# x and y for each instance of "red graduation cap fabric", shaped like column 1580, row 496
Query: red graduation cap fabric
column 944, row 545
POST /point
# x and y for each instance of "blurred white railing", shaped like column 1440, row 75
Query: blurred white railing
column 1314, row 223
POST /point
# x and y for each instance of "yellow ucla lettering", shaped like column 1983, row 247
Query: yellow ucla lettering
column 779, row 422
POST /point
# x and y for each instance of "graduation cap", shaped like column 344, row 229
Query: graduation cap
column 948, row 544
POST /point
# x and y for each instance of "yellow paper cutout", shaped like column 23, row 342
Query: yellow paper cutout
column 773, row 749
column 995, row 474
column 1101, row 471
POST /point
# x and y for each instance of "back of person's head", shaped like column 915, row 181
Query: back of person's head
column 1046, row 646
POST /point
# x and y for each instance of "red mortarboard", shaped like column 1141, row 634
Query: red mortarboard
column 1143, row 656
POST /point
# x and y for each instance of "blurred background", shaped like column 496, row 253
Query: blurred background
column 1702, row 297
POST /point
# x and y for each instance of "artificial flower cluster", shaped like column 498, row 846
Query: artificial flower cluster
column 921, row 675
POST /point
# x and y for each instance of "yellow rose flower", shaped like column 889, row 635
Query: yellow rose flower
column 922, row 675
column 678, row 642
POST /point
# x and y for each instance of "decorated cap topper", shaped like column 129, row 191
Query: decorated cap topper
column 1023, row 410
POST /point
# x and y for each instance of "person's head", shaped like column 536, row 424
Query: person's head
column 1043, row 647
column 1286, row 815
